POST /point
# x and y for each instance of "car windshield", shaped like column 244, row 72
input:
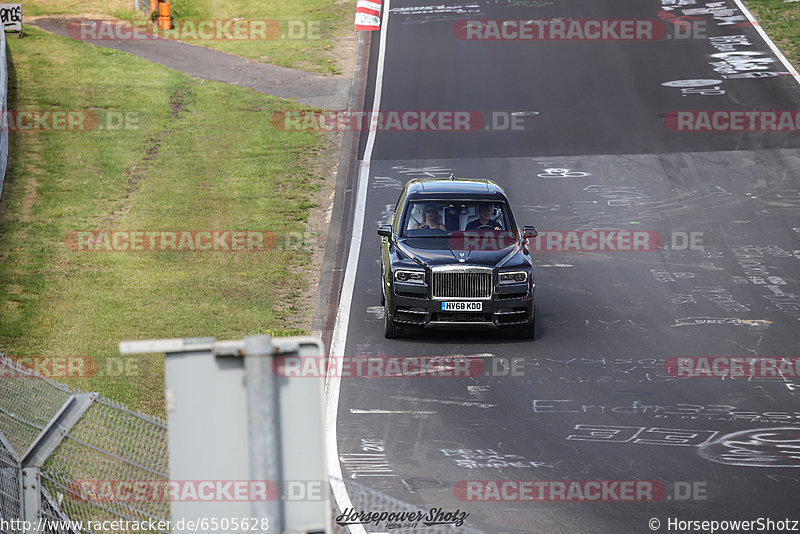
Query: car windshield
column 443, row 218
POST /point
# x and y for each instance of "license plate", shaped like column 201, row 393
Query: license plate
column 462, row 306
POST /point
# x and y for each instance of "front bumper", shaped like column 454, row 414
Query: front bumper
column 511, row 306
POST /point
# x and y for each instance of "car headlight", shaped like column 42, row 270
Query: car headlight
column 411, row 277
column 513, row 277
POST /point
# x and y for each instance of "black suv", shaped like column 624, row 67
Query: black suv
column 452, row 256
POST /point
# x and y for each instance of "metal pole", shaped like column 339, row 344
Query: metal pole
column 264, row 431
column 31, row 499
column 42, row 447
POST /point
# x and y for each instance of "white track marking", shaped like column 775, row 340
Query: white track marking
column 447, row 401
column 403, row 412
column 339, row 338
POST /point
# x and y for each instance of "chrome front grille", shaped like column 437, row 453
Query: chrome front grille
column 470, row 283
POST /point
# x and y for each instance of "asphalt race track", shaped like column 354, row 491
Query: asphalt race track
column 594, row 145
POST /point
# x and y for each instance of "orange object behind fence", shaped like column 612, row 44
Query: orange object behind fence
column 153, row 5
column 164, row 22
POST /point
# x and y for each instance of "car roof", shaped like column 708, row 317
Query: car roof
column 457, row 188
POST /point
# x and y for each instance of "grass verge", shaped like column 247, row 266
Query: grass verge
column 61, row 7
column 308, row 29
column 781, row 21
column 190, row 155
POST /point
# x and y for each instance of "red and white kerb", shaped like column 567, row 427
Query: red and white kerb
column 368, row 15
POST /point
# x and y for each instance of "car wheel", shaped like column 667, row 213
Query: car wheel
column 383, row 295
column 528, row 331
column 390, row 331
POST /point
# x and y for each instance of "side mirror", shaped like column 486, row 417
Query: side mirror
column 385, row 230
column 529, row 232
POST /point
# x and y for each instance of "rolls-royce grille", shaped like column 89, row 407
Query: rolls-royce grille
column 462, row 285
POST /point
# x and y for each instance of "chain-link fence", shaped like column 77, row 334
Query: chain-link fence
column 78, row 454
column 83, row 448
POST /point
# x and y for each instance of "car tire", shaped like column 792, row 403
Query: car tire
column 390, row 331
column 528, row 331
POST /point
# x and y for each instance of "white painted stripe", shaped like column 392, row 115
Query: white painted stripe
column 405, row 412
column 465, row 356
column 339, row 338
column 375, row 6
column 767, row 40
column 446, row 401
column 363, row 19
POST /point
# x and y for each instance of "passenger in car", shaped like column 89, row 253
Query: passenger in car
column 484, row 218
column 430, row 219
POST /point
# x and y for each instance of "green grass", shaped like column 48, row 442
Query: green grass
column 317, row 23
column 781, row 21
column 204, row 157
column 61, row 7
column 308, row 28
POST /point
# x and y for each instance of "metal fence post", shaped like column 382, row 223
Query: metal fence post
column 31, row 502
column 41, row 448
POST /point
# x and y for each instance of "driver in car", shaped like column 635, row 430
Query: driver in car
column 484, row 220
column 430, row 219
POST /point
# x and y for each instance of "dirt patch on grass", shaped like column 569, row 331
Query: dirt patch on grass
column 344, row 52
column 137, row 173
